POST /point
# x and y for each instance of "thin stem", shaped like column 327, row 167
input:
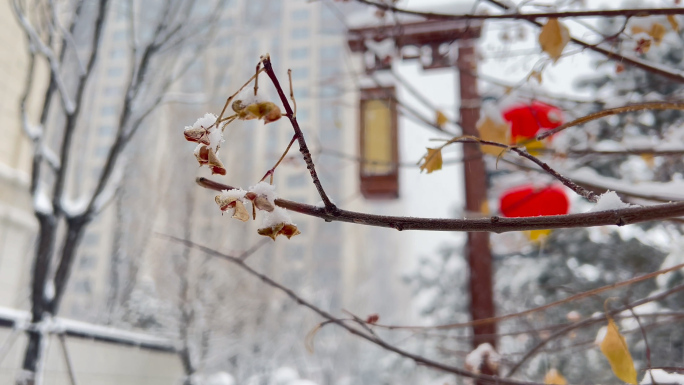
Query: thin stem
column 590, row 321
column 272, row 170
column 225, row 106
column 340, row 322
column 609, row 112
column 294, row 102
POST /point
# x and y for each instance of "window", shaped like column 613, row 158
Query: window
column 301, row 93
column 300, row 73
column 299, row 33
column 119, row 35
column 328, row 71
column 82, row 286
column 329, row 91
column 300, row 14
column 299, row 53
column 296, row 181
column 91, row 239
column 106, row 130
column 108, row 110
column 117, row 53
column 330, row 53
column 112, row 91
column 87, row 262
column 115, row 72
column 102, row 151
column 302, row 114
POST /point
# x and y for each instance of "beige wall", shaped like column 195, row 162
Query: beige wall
column 96, row 363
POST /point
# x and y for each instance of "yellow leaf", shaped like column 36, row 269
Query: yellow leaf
column 673, row 22
column 553, row 377
column 493, row 131
column 614, row 347
column 441, row 119
column 649, row 159
column 432, row 161
column 657, row 32
column 553, row 38
column 537, row 236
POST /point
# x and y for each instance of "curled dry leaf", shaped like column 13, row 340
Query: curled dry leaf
column 614, row 347
column 432, row 161
column 553, row 38
column 230, row 199
column 240, row 211
column 287, row 229
column 268, row 111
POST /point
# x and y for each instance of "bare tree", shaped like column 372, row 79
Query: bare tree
column 66, row 36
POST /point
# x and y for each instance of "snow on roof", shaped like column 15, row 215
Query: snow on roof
column 659, row 376
column 19, row 318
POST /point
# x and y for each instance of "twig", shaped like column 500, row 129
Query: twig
column 581, row 191
column 295, row 297
column 590, row 321
column 330, row 207
column 272, row 170
column 572, row 298
column 529, row 16
column 677, row 77
column 609, row 112
column 620, row 217
column 643, row 334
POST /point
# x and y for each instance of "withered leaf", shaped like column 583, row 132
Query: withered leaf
column 432, row 161
column 553, row 38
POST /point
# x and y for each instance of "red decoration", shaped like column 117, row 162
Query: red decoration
column 528, row 201
column 527, row 120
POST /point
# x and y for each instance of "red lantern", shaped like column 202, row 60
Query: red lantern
column 528, row 201
column 527, row 120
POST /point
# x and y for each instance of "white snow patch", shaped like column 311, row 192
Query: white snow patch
column 74, row 208
column 284, row 376
column 277, row 216
column 609, row 201
column 49, row 293
column 266, row 189
column 41, row 202
column 659, row 376
column 601, row 335
column 475, row 358
column 493, row 112
column 220, row 378
column 234, row 194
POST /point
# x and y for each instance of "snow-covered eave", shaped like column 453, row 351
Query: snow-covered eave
column 18, row 318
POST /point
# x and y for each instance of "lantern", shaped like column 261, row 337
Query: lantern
column 527, row 120
column 528, row 201
column 379, row 147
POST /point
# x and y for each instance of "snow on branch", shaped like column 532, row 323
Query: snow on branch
column 36, row 42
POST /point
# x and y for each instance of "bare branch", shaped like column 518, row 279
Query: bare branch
column 640, row 12
column 339, row 322
column 494, row 224
column 666, row 73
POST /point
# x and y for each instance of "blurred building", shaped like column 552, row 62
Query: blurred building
column 17, row 223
